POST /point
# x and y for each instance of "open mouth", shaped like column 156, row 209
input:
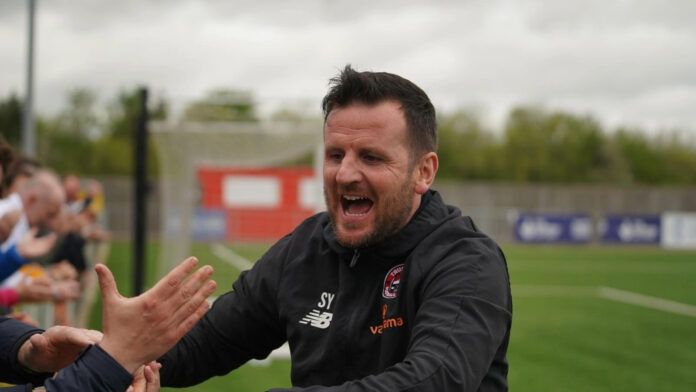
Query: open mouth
column 356, row 205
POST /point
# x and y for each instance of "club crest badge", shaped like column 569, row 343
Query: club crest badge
column 392, row 282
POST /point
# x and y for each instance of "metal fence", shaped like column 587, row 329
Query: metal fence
column 493, row 206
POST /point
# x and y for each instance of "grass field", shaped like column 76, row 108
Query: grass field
column 585, row 318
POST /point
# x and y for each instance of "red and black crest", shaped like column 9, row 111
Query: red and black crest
column 392, row 282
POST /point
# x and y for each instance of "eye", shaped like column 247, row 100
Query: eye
column 371, row 158
column 334, row 156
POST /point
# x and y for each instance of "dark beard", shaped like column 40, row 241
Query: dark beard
column 385, row 225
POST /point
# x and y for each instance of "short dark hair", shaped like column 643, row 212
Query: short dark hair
column 21, row 165
column 371, row 88
column 7, row 155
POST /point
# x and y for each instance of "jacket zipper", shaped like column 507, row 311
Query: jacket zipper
column 354, row 260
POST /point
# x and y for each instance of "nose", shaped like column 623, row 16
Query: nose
column 348, row 171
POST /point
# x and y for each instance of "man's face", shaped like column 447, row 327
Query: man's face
column 42, row 210
column 368, row 178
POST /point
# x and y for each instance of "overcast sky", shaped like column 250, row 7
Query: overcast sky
column 625, row 62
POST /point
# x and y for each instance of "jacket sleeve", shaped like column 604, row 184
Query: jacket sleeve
column 242, row 324
column 10, row 261
column 463, row 320
column 13, row 334
column 93, row 371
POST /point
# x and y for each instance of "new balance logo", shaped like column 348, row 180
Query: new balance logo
column 317, row 318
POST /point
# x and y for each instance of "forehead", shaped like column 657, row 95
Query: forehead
column 384, row 120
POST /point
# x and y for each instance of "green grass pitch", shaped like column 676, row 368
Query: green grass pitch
column 569, row 332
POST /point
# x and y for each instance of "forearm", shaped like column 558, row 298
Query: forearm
column 224, row 339
column 94, row 370
column 202, row 353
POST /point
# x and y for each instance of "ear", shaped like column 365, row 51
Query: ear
column 424, row 172
column 32, row 198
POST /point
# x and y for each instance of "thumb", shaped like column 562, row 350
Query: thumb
column 109, row 290
column 38, row 342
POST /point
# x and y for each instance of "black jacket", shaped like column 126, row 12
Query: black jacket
column 429, row 309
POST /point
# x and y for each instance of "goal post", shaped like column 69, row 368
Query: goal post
column 234, row 152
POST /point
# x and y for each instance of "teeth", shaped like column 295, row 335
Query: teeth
column 349, row 214
column 353, row 198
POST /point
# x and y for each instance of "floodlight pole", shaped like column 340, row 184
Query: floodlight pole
column 140, row 210
column 28, row 133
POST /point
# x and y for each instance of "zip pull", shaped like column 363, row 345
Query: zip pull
column 354, row 260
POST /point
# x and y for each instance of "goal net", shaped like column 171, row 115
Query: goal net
column 222, row 182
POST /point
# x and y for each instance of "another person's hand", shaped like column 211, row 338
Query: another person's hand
column 55, row 348
column 32, row 246
column 34, row 290
column 63, row 270
column 66, row 290
column 141, row 329
column 146, row 378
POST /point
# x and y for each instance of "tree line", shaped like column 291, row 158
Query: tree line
column 538, row 145
column 534, row 144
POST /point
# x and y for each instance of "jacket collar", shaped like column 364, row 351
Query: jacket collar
column 430, row 215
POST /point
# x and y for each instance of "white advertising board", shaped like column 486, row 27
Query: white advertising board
column 679, row 230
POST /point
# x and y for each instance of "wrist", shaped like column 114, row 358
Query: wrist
column 120, row 355
column 24, row 357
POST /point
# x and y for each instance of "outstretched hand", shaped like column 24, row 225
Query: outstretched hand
column 140, row 329
column 55, row 348
column 34, row 290
column 31, row 246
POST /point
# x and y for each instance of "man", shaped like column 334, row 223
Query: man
column 39, row 199
column 390, row 290
column 136, row 331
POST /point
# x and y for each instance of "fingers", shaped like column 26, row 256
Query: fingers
column 191, row 304
column 109, row 290
column 69, row 289
column 152, row 376
column 46, row 242
column 77, row 336
column 31, row 234
column 192, row 285
column 168, row 285
column 94, row 336
column 190, row 314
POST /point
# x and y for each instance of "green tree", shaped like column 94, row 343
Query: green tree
column 223, row 105
column 11, row 119
column 80, row 118
column 542, row 146
column 467, row 150
column 644, row 160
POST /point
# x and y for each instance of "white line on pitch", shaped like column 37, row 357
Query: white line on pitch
column 551, row 290
column 231, row 257
column 647, row 301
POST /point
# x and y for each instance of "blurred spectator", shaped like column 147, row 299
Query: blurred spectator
column 6, row 157
column 38, row 198
column 19, row 170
